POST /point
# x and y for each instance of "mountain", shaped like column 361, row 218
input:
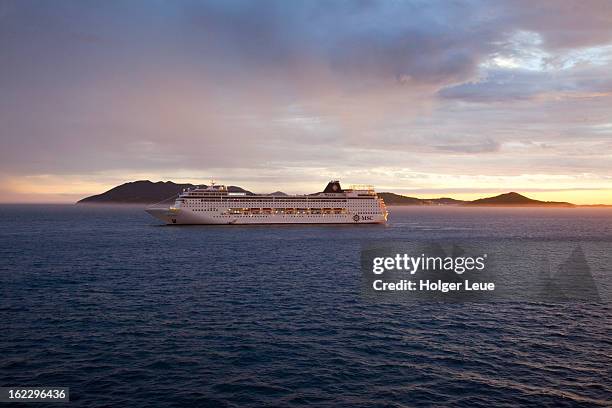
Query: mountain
column 236, row 189
column 145, row 192
column 396, row 199
column 278, row 194
column 515, row 200
column 443, row 201
column 503, row 200
column 148, row 192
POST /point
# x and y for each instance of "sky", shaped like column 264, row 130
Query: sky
column 425, row 98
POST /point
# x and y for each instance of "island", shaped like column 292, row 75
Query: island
column 513, row 199
column 145, row 192
column 148, row 192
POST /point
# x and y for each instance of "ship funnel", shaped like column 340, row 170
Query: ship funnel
column 333, row 187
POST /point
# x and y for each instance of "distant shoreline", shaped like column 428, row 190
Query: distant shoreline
column 143, row 205
column 504, row 205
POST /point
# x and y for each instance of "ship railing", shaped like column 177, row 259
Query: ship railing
column 361, row 187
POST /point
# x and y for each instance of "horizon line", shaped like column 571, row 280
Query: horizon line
column 493, row 194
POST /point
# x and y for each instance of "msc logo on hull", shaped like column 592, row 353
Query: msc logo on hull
column 356, row 218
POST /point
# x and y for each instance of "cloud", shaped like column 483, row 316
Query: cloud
column 485, row 146
column 304, row 88
column 569, row 24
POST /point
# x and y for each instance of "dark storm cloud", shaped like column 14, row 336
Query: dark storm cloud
column 368, row 40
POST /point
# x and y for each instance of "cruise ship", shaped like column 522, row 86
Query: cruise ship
column 215, row 205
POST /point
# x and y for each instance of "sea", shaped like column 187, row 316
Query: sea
column 127, row 312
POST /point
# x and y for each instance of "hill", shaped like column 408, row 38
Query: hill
column 396, row 199
column 503, row 200
column 144, row 192
column 148, row 192
column 515, row 200
column 443, row 201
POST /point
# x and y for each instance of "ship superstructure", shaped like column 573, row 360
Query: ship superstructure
column 214, row 204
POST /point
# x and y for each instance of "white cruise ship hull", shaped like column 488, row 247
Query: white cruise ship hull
column 187, row 217
column 215, row 205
